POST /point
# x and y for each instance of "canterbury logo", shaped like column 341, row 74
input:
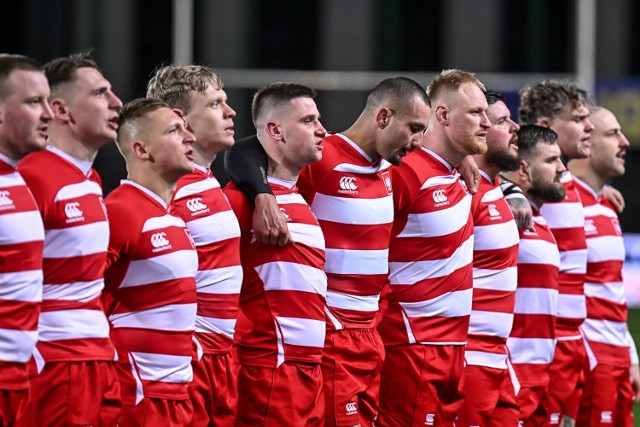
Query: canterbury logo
column 348, row 183
column 159, row 240
column 195, row 205
column 351, row 408
column 439, row 196
column 493, row 211
column 72, row 210
column 5, row 200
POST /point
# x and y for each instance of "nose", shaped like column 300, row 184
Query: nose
column 189, row 138
column 231, row 113
column 485, row 122
column 514, row 126
column 47, row 112
column 114, row 102
column 560, row 167
column 321, row 131
column 588, row 126
column 624, row 142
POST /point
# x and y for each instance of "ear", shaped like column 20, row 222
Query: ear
column 383, row 117
column 545, row 122
column 60, row 110
column 443, row 115
column 139, row 150
column 524, row 171
column 274, row 130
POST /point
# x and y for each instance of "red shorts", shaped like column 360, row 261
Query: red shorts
column 214, row 391
column 420, row 385
column 602, row 395
column 154, row 412
column 624, row 412
column 13, row 406
column 489, row 398
column 289, row 395
column 530, row 401
column 351, row 363
column 75, row 394
column 566, row 380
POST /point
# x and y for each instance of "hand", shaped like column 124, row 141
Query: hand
column 634, row 372
column 614, row 196
column 521, row 210
column 470, row 173
column 269, row 223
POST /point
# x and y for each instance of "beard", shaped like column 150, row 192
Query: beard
column 547, row 191
column 503, row 159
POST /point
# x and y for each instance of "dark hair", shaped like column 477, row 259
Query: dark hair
column 139, row 108
column 275, row 94
column 547, row 98
column 62, row 70
column 397, row 92
column 493, row 96
column 530, row 135
column 12, row 62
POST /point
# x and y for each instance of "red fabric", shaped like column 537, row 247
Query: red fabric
column 74, row 394
column 602, row 396
column 566, row 380
column 13, row 406
column 351, row 365
column 530, row 401
column 489, row 398
column 214, row 391
column 624, row 410
column 420, row 385
column 289, row 395
column 154, row 412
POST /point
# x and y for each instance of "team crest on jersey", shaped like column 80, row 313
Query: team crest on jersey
column 348, row 185
column 430, row 419
column 589, row 226
column 386, row 178
column 73, row 212
column 196, row 207
column 440, row 198
column 160, row 242
column 352, row 408
column 494, row 213
column 6, row 202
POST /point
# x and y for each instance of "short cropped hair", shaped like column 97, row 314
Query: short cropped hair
column 530, row 135
column 133, row 111
column 63, row 69
column 12, row 62
column 493, row 96
column 547, row 98
column 275, row 95
column 174, row 84
column 450, row 81
column 397, row 93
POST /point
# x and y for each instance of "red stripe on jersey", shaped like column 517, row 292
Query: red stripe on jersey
column 25, row 256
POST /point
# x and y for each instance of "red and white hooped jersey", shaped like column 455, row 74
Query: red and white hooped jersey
column 200, row 202
column 532, row 340
column 282, row 300
column 72, row 325
column 150, row 295
column 430, row 255
column 21, row 245
column 566, row 220
column 495, row 257
column 605, row 327
column 351, row 195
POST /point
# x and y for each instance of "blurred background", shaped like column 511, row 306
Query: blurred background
column 343, row 48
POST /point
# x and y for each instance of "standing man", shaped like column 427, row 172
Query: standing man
column 77, row 384
column 564, row 107
column 605, row 328
column 197, row 91
column 532, row 340
column 350, row 192
column 281, row 328
column 424, row 327
column 150, row 290
column 487, row 380
column 24, row 118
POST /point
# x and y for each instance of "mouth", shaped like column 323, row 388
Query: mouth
column 113, row 123
column 319, row 145
column 189, row 155
column 43, row 131
column 586, row 142
column 621, row 155
column 230, row 130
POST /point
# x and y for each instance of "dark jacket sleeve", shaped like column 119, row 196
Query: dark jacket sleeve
column 246, row 165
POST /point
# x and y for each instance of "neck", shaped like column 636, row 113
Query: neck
column 203, row 157
column 361, row 135
column 439, row 144
column 70, row 144
column 485, row 166
column 283, row 171
column 580, row 168
column 163, row 187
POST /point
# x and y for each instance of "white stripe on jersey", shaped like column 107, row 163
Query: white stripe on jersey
column 438, row 223
column 495, row 236
column 483, row 358
column 13, row 229
column 196, row 188
column 307, row 234
column 163, row 367
column 496, row 280
column 163, row 222
column 214, row 325
column 169, row 266
column 451, row 304
column 171, row 317
column 358, row 169
column 352, row 302
column 349, row 211
column 610, row 291
column 223, row 280
column 303, row 332
column 538, row 252
column 606, row 331
column 597, row 209
column 214, row 228
column 72, row 323
column 21, row 286
column 81, row 240
column 572, row 262
column 492, row 195
column 13, row 179
column 573, row 306
column 564, row 214
column 439, row 180
column 605, row 248
column 353, row 261
column 76, row 291
column 14, row 347
column 290, row 199
column 74, row 191
column 405, row 273
column 531, row 350
column 536, row 301
column 490, row 323
column 290, row 276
